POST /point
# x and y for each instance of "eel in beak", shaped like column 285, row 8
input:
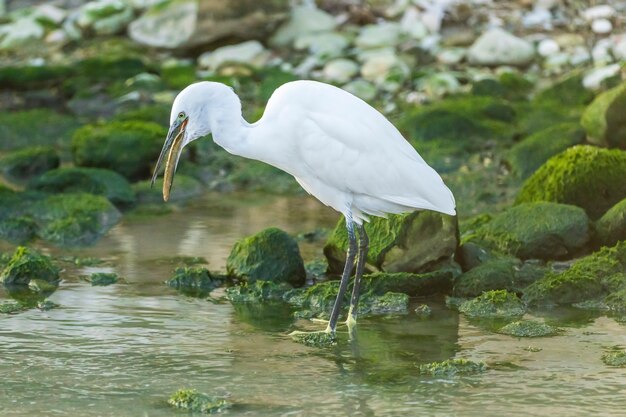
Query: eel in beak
column 173, row 144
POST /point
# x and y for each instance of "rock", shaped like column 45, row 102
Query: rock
column 195, row 402
column 412, row 25
column 538, row 17
column 194, row 281
column 420, row 285
column 439, row 84
column 574, row 175
column 378, row 35
column 362, row 89
column 548, row 47
column 183, row 188
column 498, row 47
column 104, row 17
column 270, row 255
column 603, row 120
column 74, row 219
column 49, row 14
column 316, row 300
column 257, row 292
column 250, row 53
column 616, row 301
column 603, row 11
column 42, row 286
column 568, row 91
column 452, row 367
column 423, row 311
column 597, row 76
column 322, row 45
column 529, row 328
column 17, row 230
column 616, row 358
column 27, row 264
column 21, row 33
column 493, row 304
column 304, row 20
column 340, row 70
column 103, row 279
column 26, row 163
column 130, row 148
column 526, row 156
column 415, row 242
column 96, row 181
column 384, row 67
column 388, row 303
column 493, row 274
column 314, row 339
column 451, row 56
column 611, row 227
column 601, row 26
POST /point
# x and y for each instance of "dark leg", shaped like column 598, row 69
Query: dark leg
column 354, row 301
column 345, row 277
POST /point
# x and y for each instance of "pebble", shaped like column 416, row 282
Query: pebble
column 593, row 80
column 601, row 26
column 340, row 70
column 548, row 47
column 603, row 11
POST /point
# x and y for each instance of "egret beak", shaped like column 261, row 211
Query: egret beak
column 173, row 145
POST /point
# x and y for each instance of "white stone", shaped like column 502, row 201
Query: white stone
column 304, row 19
column 324, row 45
column 557, row 62
column 20, row 33
column 378, row 35
column 170, row 27
column 601, row 52
column 498, row 47
column 50, row 13
column 619, row 47
column 438, row 84
column 451, row 56
column 601, row 26
column 379, row 67
column 579, row 55
column 396, row 8
column 547, row 47
column 362, row 89
column 340, row 70
column 433, row 15
column 249, row 53
column 603, row 11
column 412, row 25
column 593, row 80
column 538, row 17
column 98, row 10
column 57, row 37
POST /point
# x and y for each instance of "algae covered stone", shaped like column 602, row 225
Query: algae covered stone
column 452, row 367
column 11, row 307
column 27, row 264
column 193, row 280
column 541, row 230
column 270, row 255
column 529, row 328
column 314, row 339
column 103, row 279
column 584, row 176
column 494, row 274
column 35, row 127
column 26, row 163
column 615, row 358
column 493, row 304
column 415, row 242
column 604, row 119
column 258, row 291
column 388, row 303
column 196, row 402
column 427, row 283
column 611, row 227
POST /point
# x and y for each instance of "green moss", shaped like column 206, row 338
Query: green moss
column 314, row 339
column 615, row 358
column 529, row 328
column 178, row 77
column 611, row 227
column 183, row 188
column 42, row 286
column 517, row 86
column 102, row 279
column 96, row 181
column 428, row 283
column 568, row 91
column 493, row 304
column 528, row 155
column 258, row 176
column 616, row 301
column 603, row 118
column 155, row 113
column 388, row 303
column 32, row 76
column 194, row 281
column 257, row 292
column 452, row 367
column 195, row 402
column 585, row 176
column 494, row 274
column 27, row 163
column 130, row 148
column 18, row 230
column 12, row 307
column 35, row 127
column 27, row 264
column 270, row 255
column 93, row 73
column 316, row 300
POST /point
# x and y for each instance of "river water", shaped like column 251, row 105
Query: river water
column 123, row 350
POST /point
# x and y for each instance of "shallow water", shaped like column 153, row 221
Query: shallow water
column 123, row 350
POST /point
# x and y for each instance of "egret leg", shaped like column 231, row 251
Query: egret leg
column 364, row 244
column 345, row 277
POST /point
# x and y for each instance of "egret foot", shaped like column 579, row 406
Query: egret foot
column 319, row 339
column 351, row 320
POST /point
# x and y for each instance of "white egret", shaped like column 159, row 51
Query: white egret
column 338, row 148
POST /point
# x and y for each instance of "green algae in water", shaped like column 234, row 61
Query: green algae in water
column 46, row 305
column 11, row 307
column 195, row 402
column 452, row 367
column 423, row 310
column 257, row 292
column 102, row 279
column 529, row 328
column 27, row 264
column 615, row 358
column 493, row 304
column 320, row 339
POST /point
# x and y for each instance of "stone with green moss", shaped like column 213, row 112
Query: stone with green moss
column 541, row 230
column 179, row 76
column 494, row 274
column 12, row 307
column 452, row 367
column 258, row 176
column 603, row 118
column 102, row 73
column 423, row 311
column 493, row 304
column 18, row 230
column 317, row 300
column 611, row 227
column 27, row 264
column 196, row 402
column 42, row 286
column 36, row 127
column 23, row 164
column 427, row 283
column 30, row 77
column 270, row 255
column 195, row 281
column 526, row 156
column 615, row 358
column 46, row 305
column 584, row 176
column 128, row 147
column 96, row 181
column 415, row 242
column 529, row 328
column 388, row 303
column 320, row 339
column 103, row 279
column 567, row 91
column 257, row 292
column 616, row 300
column 155, row 113
column 183, row 188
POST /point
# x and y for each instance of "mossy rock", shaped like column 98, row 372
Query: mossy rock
column 257, row 292
column 178, row 77
column 424, row 284
column 97, row 73
column 616, row 358
column 493, row 304
column 96, row 181
column 590, row 278
column 30, row 77
column 529, row 328
column 528, row 155
column 494, row 274
column 194, row 281
column 270, row 255
column 73, row 220
column 247, row 174
column 452, row 367
column 537, row 230
column 27, row 264
column 604, row 119
column 36, row 127
column 388, row 303
column 26, row 163
column 611, row 227
column 616, row 301
column 314, row 339
column 103, row 279
column 415, row 242
column 317, row 300
column 18, row 230
column 12, row 307
column 184, row 187
column 155, row 113
column 195, row 402
column 584, row 176
column 567, row 91
column 130, row 148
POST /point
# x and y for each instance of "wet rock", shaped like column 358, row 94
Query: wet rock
column 498, row 47
column 493, row 304
column 257, row 292
column 270, row 255
column 103, row 279
column 611, row 227
column 452, row 367
column 526, row 156
column 26, row 163
column 603, row 119
column 314, row 339
column 388, row 303
column 42, row 286
column 250, row 53
column 27, row 264
column 130, row 148
column 529, row 328
column 415, row 242
column 184, row 187
column 196, row 281
column 616, row 358
column 304, row 20
column 96, row 181
column 537, row 230
column 196, row 402
column 340, row 70
column 574, row 175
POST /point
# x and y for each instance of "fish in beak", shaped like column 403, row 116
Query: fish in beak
column 173, row 147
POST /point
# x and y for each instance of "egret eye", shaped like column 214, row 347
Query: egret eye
column 181, row 115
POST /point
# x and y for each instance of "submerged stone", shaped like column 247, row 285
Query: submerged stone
column 316, row 300
column 11, row 307
column 320, row 339
column 493, row 304
column 46, row 305
column 42, row 286
column 423, row 310
column 603, row 118
column 452, row 367
column 574, row 175
column 102, row 279
column 26, row 163
column 529, row 328
column 195, row 281
column 27, row 264
column 258, row 291
column 195, row 402
column 388, row 303
column 615, row 358
column 270, row 255
column 611, row 227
